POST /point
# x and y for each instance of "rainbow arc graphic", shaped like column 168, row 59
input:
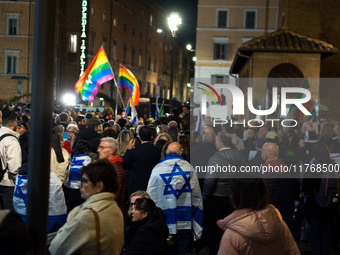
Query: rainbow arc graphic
column 210, row 93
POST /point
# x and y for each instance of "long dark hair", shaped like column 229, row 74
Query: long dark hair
column 55, row 144
column 249, row 193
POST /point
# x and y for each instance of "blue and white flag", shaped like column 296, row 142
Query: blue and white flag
column 57, row 211
column 174, row 187
column 134, row 116
column 200, row 123
column 157, row 109
column 77, row 162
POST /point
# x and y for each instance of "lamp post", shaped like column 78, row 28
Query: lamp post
column 173, row 21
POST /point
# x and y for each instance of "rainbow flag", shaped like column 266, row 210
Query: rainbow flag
column 98, row 72
column 128, row 81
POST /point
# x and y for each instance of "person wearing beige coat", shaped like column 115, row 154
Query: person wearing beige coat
column 97, row 224
column 255, row 227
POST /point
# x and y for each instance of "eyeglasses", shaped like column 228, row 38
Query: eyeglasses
column 103, row 147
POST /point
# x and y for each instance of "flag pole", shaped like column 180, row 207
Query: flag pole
column 114, row 79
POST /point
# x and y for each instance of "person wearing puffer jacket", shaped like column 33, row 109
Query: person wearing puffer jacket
column 255, row 227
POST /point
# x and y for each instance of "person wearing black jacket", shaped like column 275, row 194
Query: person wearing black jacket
column 216, row 189
column 148, row 231
column 139, row 162
column 90, row 134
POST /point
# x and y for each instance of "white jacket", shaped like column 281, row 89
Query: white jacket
column 10, row 151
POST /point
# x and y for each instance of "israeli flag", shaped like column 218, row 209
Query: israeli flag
column 77, row 162
column 174, row 187
column 57, row 212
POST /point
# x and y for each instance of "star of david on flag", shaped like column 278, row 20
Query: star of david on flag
column 167, row 178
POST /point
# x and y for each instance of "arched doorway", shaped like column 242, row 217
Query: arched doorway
column 282, row 75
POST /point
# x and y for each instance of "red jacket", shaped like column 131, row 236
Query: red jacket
column 121, row 194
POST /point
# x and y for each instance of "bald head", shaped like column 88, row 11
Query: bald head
column 174, row 148
column 270, row 151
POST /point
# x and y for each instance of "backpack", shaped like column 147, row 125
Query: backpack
column 3, row 171
column 328, row 193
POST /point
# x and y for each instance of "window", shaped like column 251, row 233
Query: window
column 114, row 21
column 72, row 43
column 133, row 56
column 93, row 10
column 219, row 78
column 148, row 88
column 11, row 65
column 124, row 53
column 104, row 16
column 154, row 63
column 13, row 23
column 93, row 37
column 250, row 19
column 104, row 41
column 220, row 48
column 154, row 89
column 140, row 59
column 125, row 27
column 149, row 63
column 150, row 21
column 222, row 18
column 114, row 50
column 133, row 31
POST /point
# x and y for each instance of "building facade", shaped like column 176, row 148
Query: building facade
column 223, row 26
column 133, row 33
column 16, row 46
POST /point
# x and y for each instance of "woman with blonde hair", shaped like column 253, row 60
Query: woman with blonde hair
column 108, row 114
column 123, row 139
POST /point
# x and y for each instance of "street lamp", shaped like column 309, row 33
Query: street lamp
column 173, row 21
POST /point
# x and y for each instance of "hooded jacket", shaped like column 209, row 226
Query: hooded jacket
column 256, row 232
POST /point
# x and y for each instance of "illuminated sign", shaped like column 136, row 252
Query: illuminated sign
column 83, row 36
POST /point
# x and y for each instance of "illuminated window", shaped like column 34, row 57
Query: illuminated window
column 114, row 22
column 140, row 59
column 72, row 43
column 150, row 20
column 93, row 10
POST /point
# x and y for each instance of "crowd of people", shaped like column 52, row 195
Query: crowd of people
column 118, row 187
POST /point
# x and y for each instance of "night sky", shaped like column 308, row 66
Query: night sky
column 187, row 10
